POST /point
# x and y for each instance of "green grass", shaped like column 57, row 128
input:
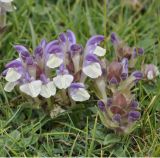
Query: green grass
column 30, row 132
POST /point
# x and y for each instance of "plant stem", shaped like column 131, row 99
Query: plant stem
column 50, row 105
column 2, row 20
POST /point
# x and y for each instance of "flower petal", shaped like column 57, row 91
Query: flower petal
column 51, row 45
column 95, row 40
column 14, row 63
column 79, row 95
column 71, row 36
column 12, row 75
column 63, row 81
column 33, row 88
column 92, row 70
column 9, row 86
column 54, row 61
column 99, row 51
column 150, row 75
column 23, row 51
column 48, row 90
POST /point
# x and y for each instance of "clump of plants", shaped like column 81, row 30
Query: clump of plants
column 63, row 71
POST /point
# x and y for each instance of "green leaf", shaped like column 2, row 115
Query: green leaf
column 111, row 139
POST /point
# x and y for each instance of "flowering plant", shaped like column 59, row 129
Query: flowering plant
column 58, row 71
column 54, row 65
column 114, row 82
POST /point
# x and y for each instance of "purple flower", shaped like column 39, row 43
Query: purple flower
column 92, row 67
column 55, row 57
column 23, row 51
column 134, row 104
column 117, row 118
column 133, row 116
column 101, row 105
column 14, row 64
column 28, row 72
column 140, row 51
column 138, row 75
column 114, row 38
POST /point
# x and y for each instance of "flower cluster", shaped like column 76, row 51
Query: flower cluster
column 53, row 65
column 118, row 108
column 63, row 65
column 5, row 6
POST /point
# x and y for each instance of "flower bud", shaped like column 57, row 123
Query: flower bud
column 150, row 71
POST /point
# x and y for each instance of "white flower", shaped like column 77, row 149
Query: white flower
column 78, row 92
column 63, row 81
column 12, row 75
column 9, row 86
column 32, row 88
column 93, row 70
column 54, row 61
column 48, row 90
column 150, row 75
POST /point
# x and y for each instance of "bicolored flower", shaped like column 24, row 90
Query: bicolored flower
column 93, row 46
column 150, row 71
column 55, row 56
column 13, row 73
column 78, row 92
column 92, row 64
column 63, row 79
column 66, row 40
column 92, row 67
